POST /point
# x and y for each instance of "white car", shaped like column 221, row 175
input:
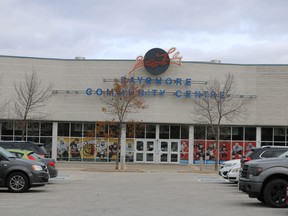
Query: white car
column 233, row 174
column 229, row 165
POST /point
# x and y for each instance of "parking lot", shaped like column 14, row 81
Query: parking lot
column 78, row 192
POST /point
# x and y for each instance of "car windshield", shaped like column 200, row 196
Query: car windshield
column 284, row 155
column 6, row 153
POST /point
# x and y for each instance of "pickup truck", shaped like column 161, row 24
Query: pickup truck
column 266, row 180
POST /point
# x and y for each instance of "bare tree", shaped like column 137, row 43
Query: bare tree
column 121, row 101
column 31, row 96
column 219, row 101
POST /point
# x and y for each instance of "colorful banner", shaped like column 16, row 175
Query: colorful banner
column 102, row 150
column 184, row 151
column 237, row 149
column 113, row 145
column 129, row 150
column 248, row 146
column 75, row 149
column 224, row 151
column 89, row 149
column 199, row 150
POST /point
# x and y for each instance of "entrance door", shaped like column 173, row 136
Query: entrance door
column 169, row 151
column 145, row 151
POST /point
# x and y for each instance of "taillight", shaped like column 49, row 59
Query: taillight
column 31, row 157
column 51, row 163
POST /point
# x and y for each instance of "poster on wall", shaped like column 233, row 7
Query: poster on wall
column 112, row 150
column 210, row 153
column 75, row 148
column 62, row 149
column 237, row 150
column 102, row 150
column 248, row 146
column 199, row 151
column 184, row 151
column 89, row 149
column 224, row 151
column 129, row 150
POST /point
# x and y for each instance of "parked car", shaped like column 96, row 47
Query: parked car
column 30, row 155
column 267, row 180
column 23, row 145
column 18, row 175
column 228, row 166
column 263, row 152
column 233, row 174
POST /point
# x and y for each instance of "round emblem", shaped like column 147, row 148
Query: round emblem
column 156, row 61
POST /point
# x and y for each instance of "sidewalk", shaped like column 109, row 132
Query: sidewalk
column 135, row 167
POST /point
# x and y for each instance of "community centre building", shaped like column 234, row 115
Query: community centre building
column 75, row 128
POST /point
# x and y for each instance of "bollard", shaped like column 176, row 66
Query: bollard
column 201, row 163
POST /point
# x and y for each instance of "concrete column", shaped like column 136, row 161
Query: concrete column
column 157, row 148
column 258, row 136
column 54, row 140
column 123, row 148
column 191, row 144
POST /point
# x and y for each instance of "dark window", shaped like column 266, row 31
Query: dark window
column 130, row 128
column 279, row 144
column 101, row 129
column 266, row 154
column 89, row 130
column 279, row 134
column 237, row 133
column 174, row 132
column 33, row 129
column 18, row 128
column 210, row 134
column 63, row 129
column 266, row 143
column 114, row 130
column 46, row 129
column 7, row 128
column 184, row 132
column 164, row 132
column 33, row 139
column 150, row 131
column 266, row 134
column 76, row 130
column 140, row 131
column 250, row 133
column 199, row 132
column 225, row 133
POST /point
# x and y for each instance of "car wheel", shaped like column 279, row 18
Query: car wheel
column 17, row 182
column 275, row 193
column 261, row 198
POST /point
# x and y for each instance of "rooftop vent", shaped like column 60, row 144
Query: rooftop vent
column 79, row 58
column 216, row 61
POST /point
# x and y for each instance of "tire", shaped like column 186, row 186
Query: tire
column 261, row 199
column 17, row 182
column 275, row 193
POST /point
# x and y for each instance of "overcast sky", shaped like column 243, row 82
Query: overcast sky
column 233, row 31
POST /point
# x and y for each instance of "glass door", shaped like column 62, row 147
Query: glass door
column 169, row 151
column 145, row 151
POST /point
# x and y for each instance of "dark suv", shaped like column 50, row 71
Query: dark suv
column 263, row 152
column 23, row 145
column 18, row 175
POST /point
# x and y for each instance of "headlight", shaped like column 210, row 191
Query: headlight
column 255, row 171
column 37, row 168
column 235, row 170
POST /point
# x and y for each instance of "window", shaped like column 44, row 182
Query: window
column 174, row 132
column 279, row 134
column 63, row 129
column 237, row 133
column 225, row 133
column 140, row 131
column 130, row 130
column 76, row 129
column 89, row 130
column 184, row 132
column 164, row 132
column 267, row 134
column 101, row 129
column 7, row 128
column 114, row 130
column 46, row 129
column 150, row 131
column 33, row 128
column 250, row 133
column 199, row 132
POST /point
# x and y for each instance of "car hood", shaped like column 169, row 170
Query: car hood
column 267, row 160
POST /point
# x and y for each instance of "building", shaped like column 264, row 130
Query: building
column 74, row 128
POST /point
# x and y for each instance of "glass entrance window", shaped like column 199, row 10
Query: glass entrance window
column 149, row 157
column 174, row 158
column 150, row 146
column 174, row 146
column 139, row 146
column 164, row 158
column 164, row 132
column 164, row 146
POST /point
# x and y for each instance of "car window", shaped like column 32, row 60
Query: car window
column 277, row 152
column 283, row 155
column 6, row 153
column 267, row 154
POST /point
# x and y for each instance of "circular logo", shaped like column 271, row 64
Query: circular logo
column 156, row 61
